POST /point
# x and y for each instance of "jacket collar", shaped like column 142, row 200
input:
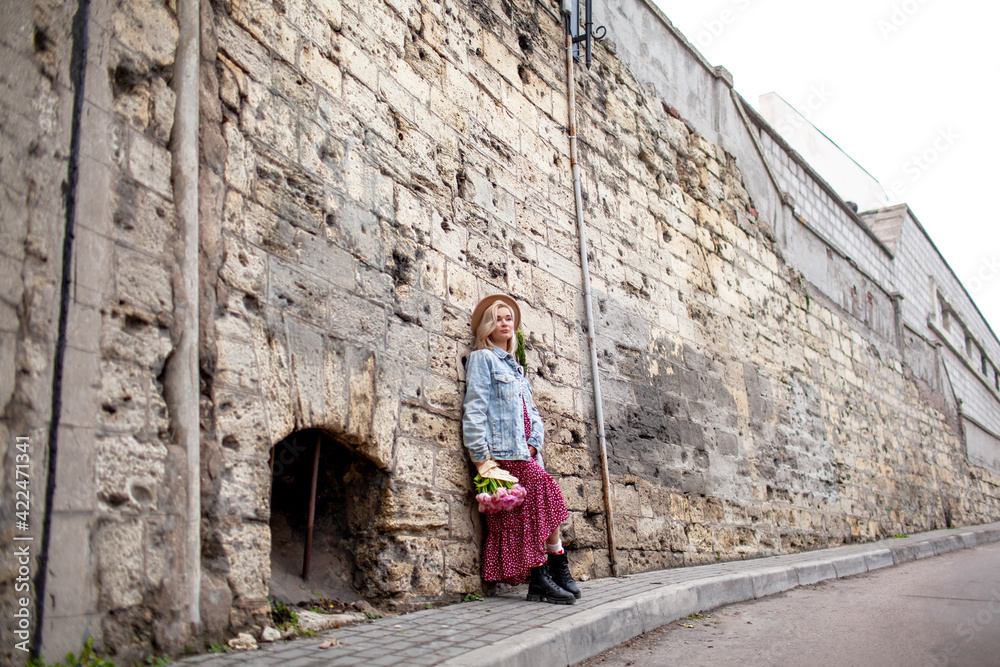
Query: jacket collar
column 503, row 354
column 508, row 357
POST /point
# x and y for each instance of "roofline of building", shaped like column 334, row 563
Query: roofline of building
column 827, row 137
column 909, row 211
column 762, row 123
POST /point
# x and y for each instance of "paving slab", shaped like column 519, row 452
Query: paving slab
column 506, row 631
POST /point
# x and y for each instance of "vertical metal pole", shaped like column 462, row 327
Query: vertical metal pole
column 307, row 557
column 588, row 304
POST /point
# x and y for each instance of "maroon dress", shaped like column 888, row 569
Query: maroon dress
column 515, row 539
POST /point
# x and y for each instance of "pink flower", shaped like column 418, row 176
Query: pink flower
column 501, row 492
column 483, row 498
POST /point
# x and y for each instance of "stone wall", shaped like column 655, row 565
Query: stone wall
column 36, row 104
column 369, row 170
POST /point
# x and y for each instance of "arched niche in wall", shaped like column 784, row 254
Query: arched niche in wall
column 325, row 500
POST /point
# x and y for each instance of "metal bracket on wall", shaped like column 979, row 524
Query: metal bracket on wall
column 586, row 35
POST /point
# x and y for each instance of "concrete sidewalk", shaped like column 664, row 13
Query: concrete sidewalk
column 507, row 631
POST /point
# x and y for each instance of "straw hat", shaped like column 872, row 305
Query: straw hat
column 477, row 314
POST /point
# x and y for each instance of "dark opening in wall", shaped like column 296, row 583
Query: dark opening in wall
column 347, row 500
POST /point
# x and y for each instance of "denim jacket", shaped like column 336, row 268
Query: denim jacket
column 493, row 423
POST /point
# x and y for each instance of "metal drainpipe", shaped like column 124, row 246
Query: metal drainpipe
column 184, row 372
column 588, row 304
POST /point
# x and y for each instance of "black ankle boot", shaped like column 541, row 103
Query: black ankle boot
column 541, row 588
column 559, row 570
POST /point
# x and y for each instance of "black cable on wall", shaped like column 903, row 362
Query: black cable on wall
column 77, row 73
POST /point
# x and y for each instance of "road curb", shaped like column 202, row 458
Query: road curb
column 573, row 639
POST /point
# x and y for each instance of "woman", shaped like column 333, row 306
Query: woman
column 502, row 430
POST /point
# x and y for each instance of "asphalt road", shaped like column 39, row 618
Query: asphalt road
column 938, row 611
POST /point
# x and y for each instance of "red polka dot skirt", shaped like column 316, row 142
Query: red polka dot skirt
column 515, row 539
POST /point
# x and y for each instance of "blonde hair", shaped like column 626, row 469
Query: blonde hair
column 488, row 324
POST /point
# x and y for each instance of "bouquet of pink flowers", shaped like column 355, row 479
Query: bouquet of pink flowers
column 500, row 498
column 497, row 489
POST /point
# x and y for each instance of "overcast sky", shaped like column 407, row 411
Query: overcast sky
column 908, row 88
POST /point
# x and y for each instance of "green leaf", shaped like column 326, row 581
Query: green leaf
column 519, row 354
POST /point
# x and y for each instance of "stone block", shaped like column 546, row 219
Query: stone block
column 131, row 335
column 848, row 566
column 573, row 494
column 8, row 367
column 770, row 581
column 413, row 461
column 306, row 348
column 361, row 388
column 430, row 427
column 235, row 364
column 320, row 69
column 119, row 548
column 241, row 160
column 332, row 11
column 149, row 163
column 81, row 369
column 241, row 423
column 92, row 258
column 462, row 567
column 299, row 294
column 124, row 397
column 721, row 590
column 969, row 540
column 452, row 472
column 444, row 358
column 369, row 111
column 443, row 394
column 129, row 473
column 353, row 226
column 142, row 283
column 335, row 381
column 74, row 553
column 946, row 544
column 500, row 58
column 247, row 551
column 588, row 633
column 244, row 487
column 414, row 509
column 875, row 560
column 164, row 560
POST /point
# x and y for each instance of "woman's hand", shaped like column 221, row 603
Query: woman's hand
column 532, row 451
column 481, row 465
